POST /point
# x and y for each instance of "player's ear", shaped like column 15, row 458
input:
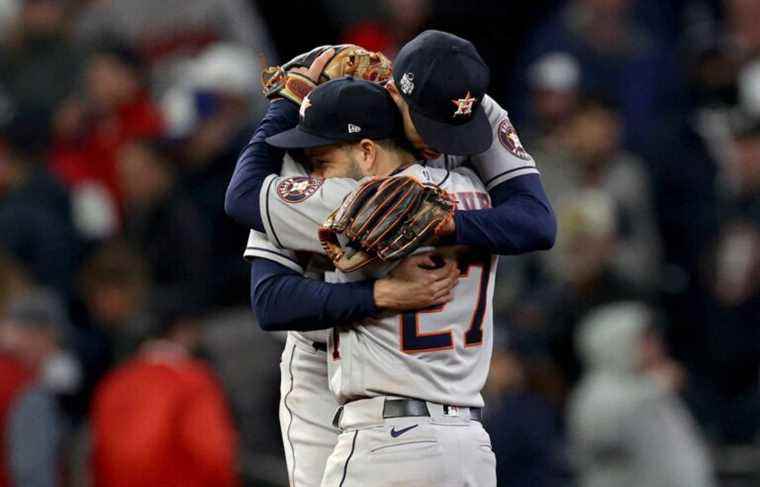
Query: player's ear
column 369, row 154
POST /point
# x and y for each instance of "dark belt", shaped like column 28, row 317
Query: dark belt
column 402, row 408
column 319, row 346
column 408, row 408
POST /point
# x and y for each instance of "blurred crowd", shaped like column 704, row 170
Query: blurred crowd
column 628, row 355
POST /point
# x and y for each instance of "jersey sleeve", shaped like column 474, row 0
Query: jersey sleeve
column 259, row 246
column 293, row 209
column 506, row 158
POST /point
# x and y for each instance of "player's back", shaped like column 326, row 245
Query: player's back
column 439, row 354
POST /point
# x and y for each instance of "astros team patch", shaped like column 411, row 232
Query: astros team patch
column 509, row 139
column 298, row 189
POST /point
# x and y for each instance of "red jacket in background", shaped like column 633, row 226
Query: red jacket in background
column 14, row 377
column 161, row 419
column 92, row 157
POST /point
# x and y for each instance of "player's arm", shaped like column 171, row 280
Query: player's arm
column 277, row 281
column 275, row 288
column 522, row 219
column 257, row 161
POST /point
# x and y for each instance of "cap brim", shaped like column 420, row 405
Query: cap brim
column 470, row 138
column 296, row 138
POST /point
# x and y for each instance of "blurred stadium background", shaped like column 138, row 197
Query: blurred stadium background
column 120, row 123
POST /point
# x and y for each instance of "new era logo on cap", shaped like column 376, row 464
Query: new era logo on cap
column 353, row 129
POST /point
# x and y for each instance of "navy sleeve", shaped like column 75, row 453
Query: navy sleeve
column 520, row 221
column 274, row 289
column 257, row 161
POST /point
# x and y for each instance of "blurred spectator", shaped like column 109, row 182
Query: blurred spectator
column 615, row 51
column 726, row 366
column 580, row 277
column 590, row 156
column 395, row 23
column 742, row 17
column 115, row 285
column 162, row 419
column 35, row 217
column 162, row 224
column 743, row 173
column 523, row 420
column 39, row 66
column 9, row 10
column 34, row 331
column 554, row 81
column 222, row 80
column 14, row 376
column 627, row 425
column 209, row 117
column 748, row 87
column 14, row 280
column 115, row 109
column 166, row 33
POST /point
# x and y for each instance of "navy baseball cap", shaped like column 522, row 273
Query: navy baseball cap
column 342, row 110
column 443, row 79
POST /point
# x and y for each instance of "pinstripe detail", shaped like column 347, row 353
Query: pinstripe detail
column 292, row 474
column 443, row 181
column 268, row 251
column 508, row 172
column 345, row 467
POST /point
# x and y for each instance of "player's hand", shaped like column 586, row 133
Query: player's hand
column 418, row 282
column 315, row 70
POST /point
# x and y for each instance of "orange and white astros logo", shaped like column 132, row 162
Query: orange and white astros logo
column 509, row 139
column 464, row 105
column 298, row 189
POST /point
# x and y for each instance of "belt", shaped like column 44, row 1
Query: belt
column 402, row 408
column 319, row 346
column 407, row 408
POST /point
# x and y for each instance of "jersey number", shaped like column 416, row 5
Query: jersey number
column 412, row 341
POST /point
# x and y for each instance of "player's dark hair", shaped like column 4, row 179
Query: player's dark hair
column 396, row 144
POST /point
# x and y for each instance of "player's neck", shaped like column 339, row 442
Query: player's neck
column 395, row 163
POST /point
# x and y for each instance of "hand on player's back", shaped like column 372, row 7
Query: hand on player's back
column 418, row 282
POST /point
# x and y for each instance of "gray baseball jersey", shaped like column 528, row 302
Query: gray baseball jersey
column 440, row 355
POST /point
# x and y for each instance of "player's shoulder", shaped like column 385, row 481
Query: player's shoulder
column 457, row 179
column 505, row 133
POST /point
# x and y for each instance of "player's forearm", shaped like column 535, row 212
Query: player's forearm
column 521, row 220
column 256, row 162
column 285, row 300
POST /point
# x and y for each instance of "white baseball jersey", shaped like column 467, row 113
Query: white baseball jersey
column 440, row 355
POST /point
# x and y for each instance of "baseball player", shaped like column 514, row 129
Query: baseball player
column 521, row 221
column 439, row 356
column 306, row 405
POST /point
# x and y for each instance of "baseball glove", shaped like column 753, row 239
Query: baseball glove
column 384, row 219
column 349, row 60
